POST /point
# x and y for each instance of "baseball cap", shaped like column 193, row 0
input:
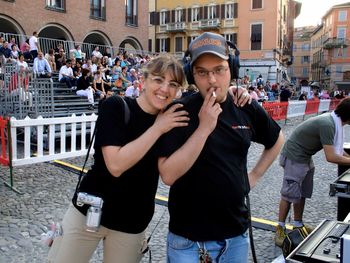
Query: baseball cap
column 208, row 43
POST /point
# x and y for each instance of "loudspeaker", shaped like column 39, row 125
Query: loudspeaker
column 233, row 62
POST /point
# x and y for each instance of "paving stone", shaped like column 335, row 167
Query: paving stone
column 47, row 191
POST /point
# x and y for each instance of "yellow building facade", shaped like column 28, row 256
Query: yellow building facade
column 300, row 71
column 173, row 24
column 262, row 30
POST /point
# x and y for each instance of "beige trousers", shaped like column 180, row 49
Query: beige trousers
column 77, row 245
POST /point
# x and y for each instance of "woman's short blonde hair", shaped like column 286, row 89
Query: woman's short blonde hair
column 163, row 64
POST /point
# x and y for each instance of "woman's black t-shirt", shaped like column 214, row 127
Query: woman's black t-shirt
column 129, row 199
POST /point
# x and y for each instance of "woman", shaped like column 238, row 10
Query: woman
column 125, row 78
column 116, row 70
column 84, row 88
column 14, row 52
column 23, row 70
column 50, row 57
column 125, row 164
column 252, row 93
column 261, row 93
column 77, row 54
column 98, row 85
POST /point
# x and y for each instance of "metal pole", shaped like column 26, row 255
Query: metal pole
column 9, row 143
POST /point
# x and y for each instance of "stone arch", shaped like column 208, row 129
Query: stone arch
column 131, row 44
column 55, row 31
column 96, row 38
column 10, row 25
column 53, row 34
column 11, row 28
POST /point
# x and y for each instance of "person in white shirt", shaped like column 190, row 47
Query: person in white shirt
column 41, row 67
column 133, row 91
column 22, row 63
column 97, row 52
column 66, row 75
column 34, row 45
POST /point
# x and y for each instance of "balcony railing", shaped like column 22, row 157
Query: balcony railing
column 331, row 43
column 194, row 25
column 162, row 28
column 176, row 27
column 209, row 23
column 230, row 22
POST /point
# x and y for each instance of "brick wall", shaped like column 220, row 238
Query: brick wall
column 31, row 15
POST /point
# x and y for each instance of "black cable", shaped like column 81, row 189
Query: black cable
column 250, row 228
column 150, row 236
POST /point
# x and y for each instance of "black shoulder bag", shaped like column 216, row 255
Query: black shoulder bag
column 293, row 239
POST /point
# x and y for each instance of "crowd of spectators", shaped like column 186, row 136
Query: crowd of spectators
column 121, row 73
column 105, row 73
column 262, row 91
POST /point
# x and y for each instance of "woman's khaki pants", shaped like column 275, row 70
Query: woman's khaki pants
column 77, row 245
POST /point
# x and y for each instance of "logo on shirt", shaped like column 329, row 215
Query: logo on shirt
column 240, row 127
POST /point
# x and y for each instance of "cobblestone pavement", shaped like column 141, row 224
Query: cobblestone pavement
column 47, row 191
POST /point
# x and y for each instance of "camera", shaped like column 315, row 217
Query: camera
column 85, row 198
column 93, row 216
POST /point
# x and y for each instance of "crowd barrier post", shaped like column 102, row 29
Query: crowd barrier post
column 7, row 161
column 312, row 107
column 276, row 110
column 4, row 143
column 334, row 104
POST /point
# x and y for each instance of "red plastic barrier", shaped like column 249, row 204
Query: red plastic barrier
column 312, row 106
column 334, row 103
column 3, row 137
column 276, row 110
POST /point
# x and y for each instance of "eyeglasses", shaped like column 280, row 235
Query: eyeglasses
column 202, row 73
column 161, row 82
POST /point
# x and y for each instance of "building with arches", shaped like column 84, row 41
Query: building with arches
column 119, row 24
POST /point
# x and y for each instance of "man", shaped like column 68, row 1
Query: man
column 60, row 58
column 320, row 132
column 28, row 57
column 34, row 45
column 285, row 94
column 133, row 75
column 133, row 91
column 66, row 75
column 41, row 67
column 206, row 162
column 5, row 50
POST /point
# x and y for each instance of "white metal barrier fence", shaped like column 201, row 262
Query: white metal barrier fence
column 41, row 133
column 40, row 130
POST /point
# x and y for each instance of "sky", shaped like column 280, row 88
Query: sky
column 312, row 11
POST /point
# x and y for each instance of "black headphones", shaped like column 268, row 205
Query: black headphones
column 233, row 62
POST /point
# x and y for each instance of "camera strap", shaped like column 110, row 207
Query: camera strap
column 126, row 121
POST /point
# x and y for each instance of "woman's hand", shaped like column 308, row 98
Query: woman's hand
column 171, row 118
column 240, row 96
